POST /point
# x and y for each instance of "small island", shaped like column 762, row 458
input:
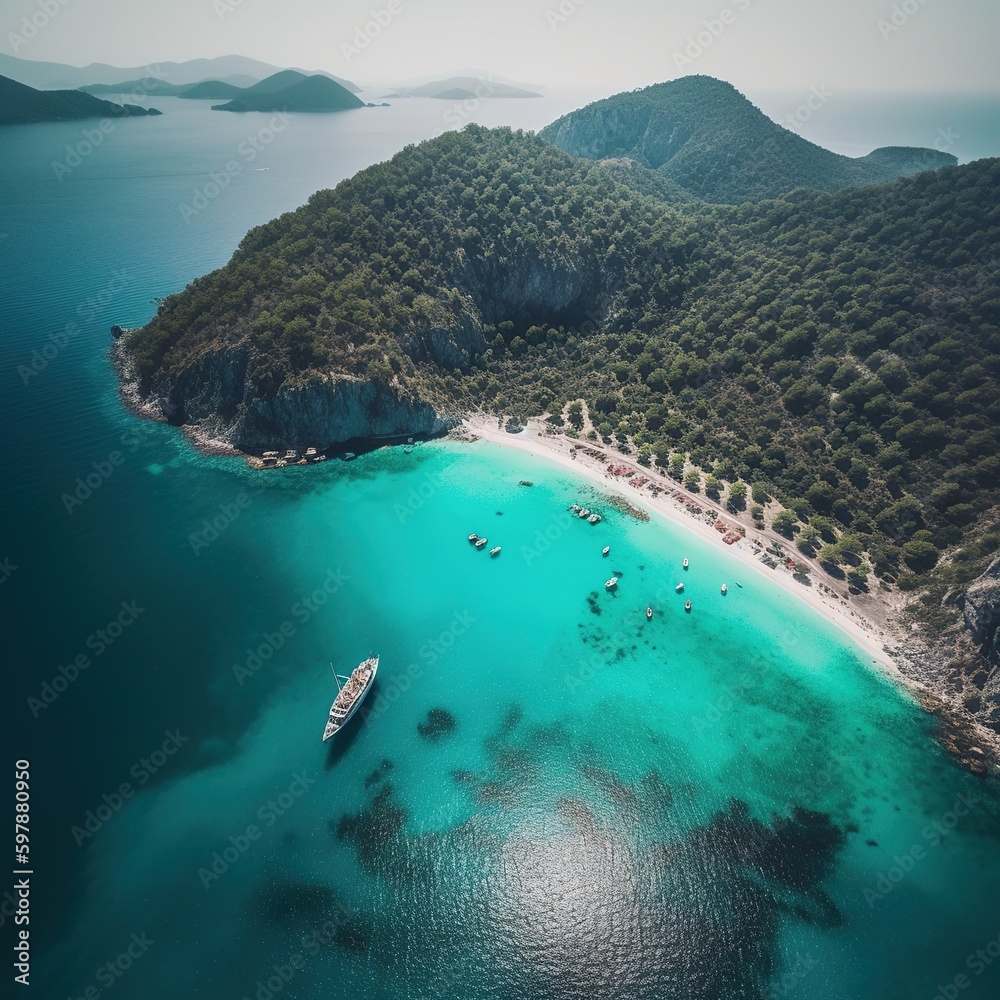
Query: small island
column 291, row 91
column 462, row 88
column 23, row 105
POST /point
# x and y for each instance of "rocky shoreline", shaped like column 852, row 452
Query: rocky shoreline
column 216, row 407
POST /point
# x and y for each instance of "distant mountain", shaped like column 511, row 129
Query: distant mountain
column 149, row 87
column 278, row 81
column 459, row 88
column 238, row 70
column 705, row 136
column 211, row 90
column 23, row 105
column 309, row 94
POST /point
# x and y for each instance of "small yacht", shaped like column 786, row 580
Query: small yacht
column 349, row 455
column 687, row 605
column 725, row 590
column 574, row 508
column 649, row 614
column 473, row 538
column 686, row 564
column 481, row 543
column 595, row 519
column 611, row 584
column 495, row 551
column 679, row 588
column 584, row 513
column 606, row 551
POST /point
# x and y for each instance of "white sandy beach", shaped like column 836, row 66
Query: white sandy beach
column 558, row 449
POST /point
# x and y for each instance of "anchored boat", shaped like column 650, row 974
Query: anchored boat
column 350, row 695
column 611, row 584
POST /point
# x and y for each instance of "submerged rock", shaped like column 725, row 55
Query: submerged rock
column 439, row 723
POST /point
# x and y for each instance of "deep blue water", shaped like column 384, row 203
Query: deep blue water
column 714, row 805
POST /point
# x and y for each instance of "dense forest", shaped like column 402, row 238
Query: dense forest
column 703, row 136
column 837, row 352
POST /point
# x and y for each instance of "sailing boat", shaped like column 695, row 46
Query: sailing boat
column 350, row 695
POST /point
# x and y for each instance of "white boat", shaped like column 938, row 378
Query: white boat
column 687, row 605
column 606, row 551
column 679, row 588
column 649, row 614
column 494, row 552
column 350, row 695
column 584, row 513
column 481, row 543
column 574, row 508
column 348, row 455
column 725, row 590
column 594, row 519
column 686, row 563
column 611, row 584
column 473, row 538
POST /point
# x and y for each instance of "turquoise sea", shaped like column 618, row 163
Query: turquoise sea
column 548, row 797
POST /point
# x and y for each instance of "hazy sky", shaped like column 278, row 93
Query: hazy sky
column 606, row 45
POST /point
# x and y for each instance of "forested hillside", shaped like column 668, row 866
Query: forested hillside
column 839, row 352
column 705, row 137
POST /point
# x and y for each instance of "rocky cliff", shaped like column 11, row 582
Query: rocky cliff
column 217, row 398
column 981, row 610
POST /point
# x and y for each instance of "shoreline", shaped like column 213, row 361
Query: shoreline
column 877, row 640
column 870, row 637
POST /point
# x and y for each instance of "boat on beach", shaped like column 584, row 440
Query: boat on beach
column 350, row 695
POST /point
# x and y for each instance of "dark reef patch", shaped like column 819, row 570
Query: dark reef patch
column 438, row 724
